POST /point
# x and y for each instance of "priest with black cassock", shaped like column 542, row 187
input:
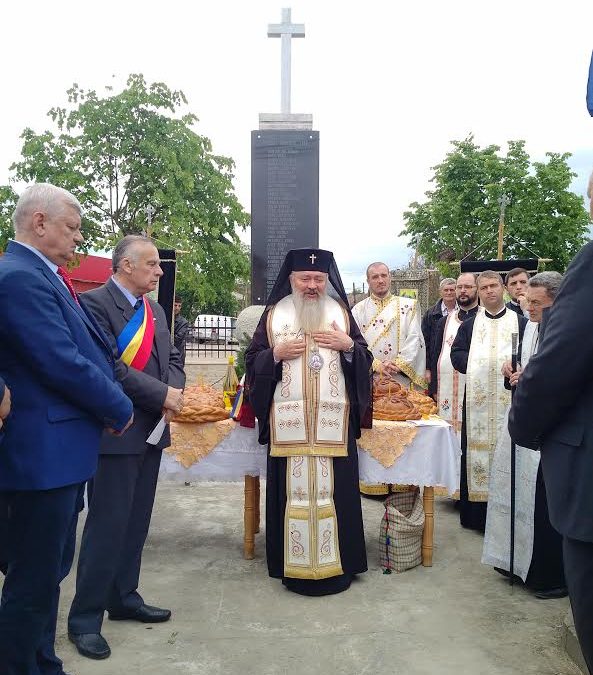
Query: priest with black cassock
column 308, row 373
column 481, row 347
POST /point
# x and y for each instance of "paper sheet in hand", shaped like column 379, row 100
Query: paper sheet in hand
column 157, row 433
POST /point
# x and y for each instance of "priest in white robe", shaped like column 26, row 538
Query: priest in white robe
column 538, row 547
column 391, row 327
column 479, row 350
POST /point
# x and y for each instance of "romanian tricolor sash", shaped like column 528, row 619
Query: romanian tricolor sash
column 134, row 343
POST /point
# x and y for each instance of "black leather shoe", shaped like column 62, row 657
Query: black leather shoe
column 144, row 614
column 552, row 593
column 91, row 645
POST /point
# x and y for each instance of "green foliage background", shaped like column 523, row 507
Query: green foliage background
column 461, row 213
column 120, row 152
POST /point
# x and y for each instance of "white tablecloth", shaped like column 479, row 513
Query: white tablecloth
column 236, row 456
column 431, row 459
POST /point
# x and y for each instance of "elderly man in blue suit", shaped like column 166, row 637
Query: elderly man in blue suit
column 59, row 367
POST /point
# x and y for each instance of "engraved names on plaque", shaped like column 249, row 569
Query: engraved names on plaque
column 284, row 201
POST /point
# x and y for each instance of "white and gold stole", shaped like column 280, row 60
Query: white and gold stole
column 379, row 328
column 391, row 328
column 451, row 383
column 486, row 398
column 309, row 426
column 310, row 410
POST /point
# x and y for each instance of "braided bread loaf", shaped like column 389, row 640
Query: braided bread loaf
column 396, row 408
column 202, row 403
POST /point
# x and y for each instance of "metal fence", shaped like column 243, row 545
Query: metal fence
column 212, row 336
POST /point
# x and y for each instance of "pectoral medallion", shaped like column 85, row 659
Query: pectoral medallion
column 315, row 361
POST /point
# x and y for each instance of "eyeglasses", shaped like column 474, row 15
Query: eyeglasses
column 465, row 288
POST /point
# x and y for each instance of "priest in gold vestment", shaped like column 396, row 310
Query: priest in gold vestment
column 481, row 347
column 308, row 374
column 391, row 326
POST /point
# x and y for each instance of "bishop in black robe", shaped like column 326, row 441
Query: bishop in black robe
column 263, row 376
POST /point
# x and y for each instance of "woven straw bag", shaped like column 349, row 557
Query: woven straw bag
column 400, row 534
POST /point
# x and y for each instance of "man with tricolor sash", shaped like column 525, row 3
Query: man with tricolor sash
column 122, row 493
column 391, row 327
column 308, row 373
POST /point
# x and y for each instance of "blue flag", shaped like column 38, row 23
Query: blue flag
column 590, row 89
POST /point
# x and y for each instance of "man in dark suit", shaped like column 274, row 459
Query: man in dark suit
column 60, row 370
column 122, row 493
column 553, row 409
column 445, row 305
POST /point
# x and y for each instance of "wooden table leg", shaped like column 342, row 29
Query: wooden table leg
column 257, row 504
column 249, row 518
column 428, row 534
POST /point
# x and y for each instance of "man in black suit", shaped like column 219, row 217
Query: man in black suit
column 122, row 493
column 552, row 409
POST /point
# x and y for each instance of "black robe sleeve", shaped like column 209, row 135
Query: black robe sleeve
column 438, row 335
column 551, row 390
column 262, row 374
column 461, row 345
column 358, row 375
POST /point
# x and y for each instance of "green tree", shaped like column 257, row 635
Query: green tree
column 121, row 152
column 461, row 214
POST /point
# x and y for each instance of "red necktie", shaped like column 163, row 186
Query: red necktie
column 68, row 281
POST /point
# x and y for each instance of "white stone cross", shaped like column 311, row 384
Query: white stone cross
column 286, row 31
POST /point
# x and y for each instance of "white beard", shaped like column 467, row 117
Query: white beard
column 310, row 314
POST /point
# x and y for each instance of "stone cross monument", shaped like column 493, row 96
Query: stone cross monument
column 286, row 31
column 284, row 177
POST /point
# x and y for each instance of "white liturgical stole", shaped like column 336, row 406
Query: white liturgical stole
column 487, row 399
column 310, row 410
column 451, row 383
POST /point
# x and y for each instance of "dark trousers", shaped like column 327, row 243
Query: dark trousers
column 578, row 569
column 36, row 552
column 121, row 498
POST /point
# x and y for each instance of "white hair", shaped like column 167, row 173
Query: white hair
column 42, row 197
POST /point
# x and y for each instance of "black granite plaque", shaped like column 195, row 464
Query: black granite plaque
column 284, row 201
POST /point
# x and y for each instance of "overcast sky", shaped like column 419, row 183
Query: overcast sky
column 389, row 84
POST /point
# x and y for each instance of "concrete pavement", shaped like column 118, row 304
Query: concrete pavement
column 229, row 617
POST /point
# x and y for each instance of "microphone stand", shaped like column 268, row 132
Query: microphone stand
column 514, row 363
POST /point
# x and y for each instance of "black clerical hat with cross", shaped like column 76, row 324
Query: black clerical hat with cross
column 307, row 259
